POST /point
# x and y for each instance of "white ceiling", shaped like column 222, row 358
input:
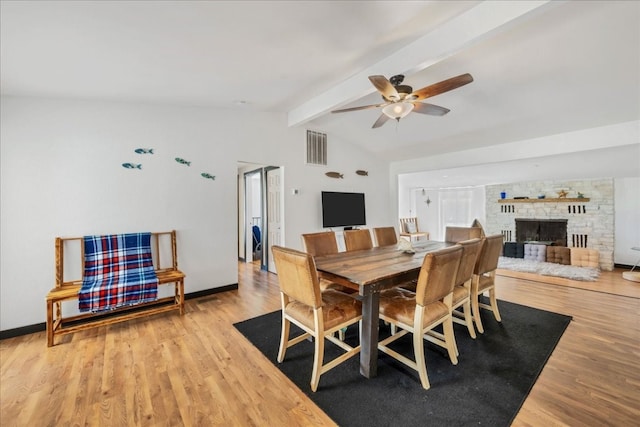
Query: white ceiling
column 539, row 67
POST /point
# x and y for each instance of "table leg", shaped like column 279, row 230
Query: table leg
column 369, row 335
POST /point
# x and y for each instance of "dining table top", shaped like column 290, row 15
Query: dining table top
column 376, row 265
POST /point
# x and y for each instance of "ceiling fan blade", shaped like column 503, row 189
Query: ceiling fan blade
column 433, row 110
column 385, row 87
column 381, row 120
column 362, row 107
column 441, row 87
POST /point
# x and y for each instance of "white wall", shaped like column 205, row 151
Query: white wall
column 62, row 175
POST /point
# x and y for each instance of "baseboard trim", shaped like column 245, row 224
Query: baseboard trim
column 39, row 327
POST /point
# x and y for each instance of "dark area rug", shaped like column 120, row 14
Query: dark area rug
column 494, row 375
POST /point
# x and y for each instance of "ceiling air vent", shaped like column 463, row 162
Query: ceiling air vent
column 316, row 148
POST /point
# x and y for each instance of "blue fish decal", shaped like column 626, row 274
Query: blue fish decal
column 183, row 161
column 144, row 150
column 132, row 166
column 208, row 176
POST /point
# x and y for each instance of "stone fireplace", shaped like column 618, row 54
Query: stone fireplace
column 545, row 231
column 534, row 211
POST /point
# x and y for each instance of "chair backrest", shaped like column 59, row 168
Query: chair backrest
column 355, row 240
column 319, row 244
column 470, row 252
column 488, row 259
column 385, row 236
column 438, row 275
column 458, row 234
column 297, row 275
column 409, row 225
column 476, row 223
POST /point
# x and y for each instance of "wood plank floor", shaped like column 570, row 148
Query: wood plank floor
column 197, row 370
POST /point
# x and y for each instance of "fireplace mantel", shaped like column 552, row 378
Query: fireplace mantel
column 545, row 200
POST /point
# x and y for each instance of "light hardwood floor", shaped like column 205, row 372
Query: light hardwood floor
column 198, row 370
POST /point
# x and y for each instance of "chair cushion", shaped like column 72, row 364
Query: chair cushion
column 559, row 255
column 535, row 252
column 583, row 257
column 411, row 227
column 400, row 305
column 337, row 308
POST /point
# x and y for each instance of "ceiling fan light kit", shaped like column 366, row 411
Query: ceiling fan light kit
column 398, row 110
column 401, row 99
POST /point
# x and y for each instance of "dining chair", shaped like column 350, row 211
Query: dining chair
column 462, row 290
column 458, row 234
column 320, row 244
column 420, row 312
column 409, row 228
column 385, row 236
column 318, row 313
column 484, row 276
column 355, row 240
column 476, row 223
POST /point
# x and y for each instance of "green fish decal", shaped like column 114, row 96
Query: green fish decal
column 144, row 150
column 208, row 176
column 132, row 166
column 183, row 161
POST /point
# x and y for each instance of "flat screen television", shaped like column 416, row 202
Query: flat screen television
column 342, row 209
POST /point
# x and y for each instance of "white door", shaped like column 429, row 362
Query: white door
column 275, row 208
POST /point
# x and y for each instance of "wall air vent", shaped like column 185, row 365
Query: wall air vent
column 316, row 148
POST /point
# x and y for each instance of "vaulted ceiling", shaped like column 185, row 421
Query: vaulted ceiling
column 539, row 67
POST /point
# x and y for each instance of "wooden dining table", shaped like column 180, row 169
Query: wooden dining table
column 371, row 271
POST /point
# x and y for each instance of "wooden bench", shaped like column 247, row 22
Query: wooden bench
column 163, row 245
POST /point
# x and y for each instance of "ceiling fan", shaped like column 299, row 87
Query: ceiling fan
column 401, row 99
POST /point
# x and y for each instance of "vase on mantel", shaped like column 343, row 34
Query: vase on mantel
column 503, row 195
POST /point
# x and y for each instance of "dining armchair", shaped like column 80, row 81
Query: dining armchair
column 385, row 236
column 409, row 228
column 420, row 312
column 355, row 240
column 320, row 314
column 484, row 277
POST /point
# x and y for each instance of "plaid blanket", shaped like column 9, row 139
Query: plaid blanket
column 118, row 271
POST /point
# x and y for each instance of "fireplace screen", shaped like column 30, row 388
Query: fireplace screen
column 546, row 231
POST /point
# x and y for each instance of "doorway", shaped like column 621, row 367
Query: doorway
column 260, row 208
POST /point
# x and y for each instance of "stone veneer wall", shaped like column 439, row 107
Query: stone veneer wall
column 593, row 219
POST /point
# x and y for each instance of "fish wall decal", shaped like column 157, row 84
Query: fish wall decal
column 144, row 150
column 362, row 173
column 132, row 166
column 208, row 176
column 334, row 175
column 183, row 161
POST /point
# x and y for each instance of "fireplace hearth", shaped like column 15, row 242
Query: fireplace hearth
column 545, row 231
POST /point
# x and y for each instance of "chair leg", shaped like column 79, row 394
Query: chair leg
column 418, row 348
column 476, row 313
column 468, row 318
column 394, row 329
column 317, row 362
column 284, row 338
column 450, row 340
column 421, row 363
column 494, row 304
column 49, row 323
